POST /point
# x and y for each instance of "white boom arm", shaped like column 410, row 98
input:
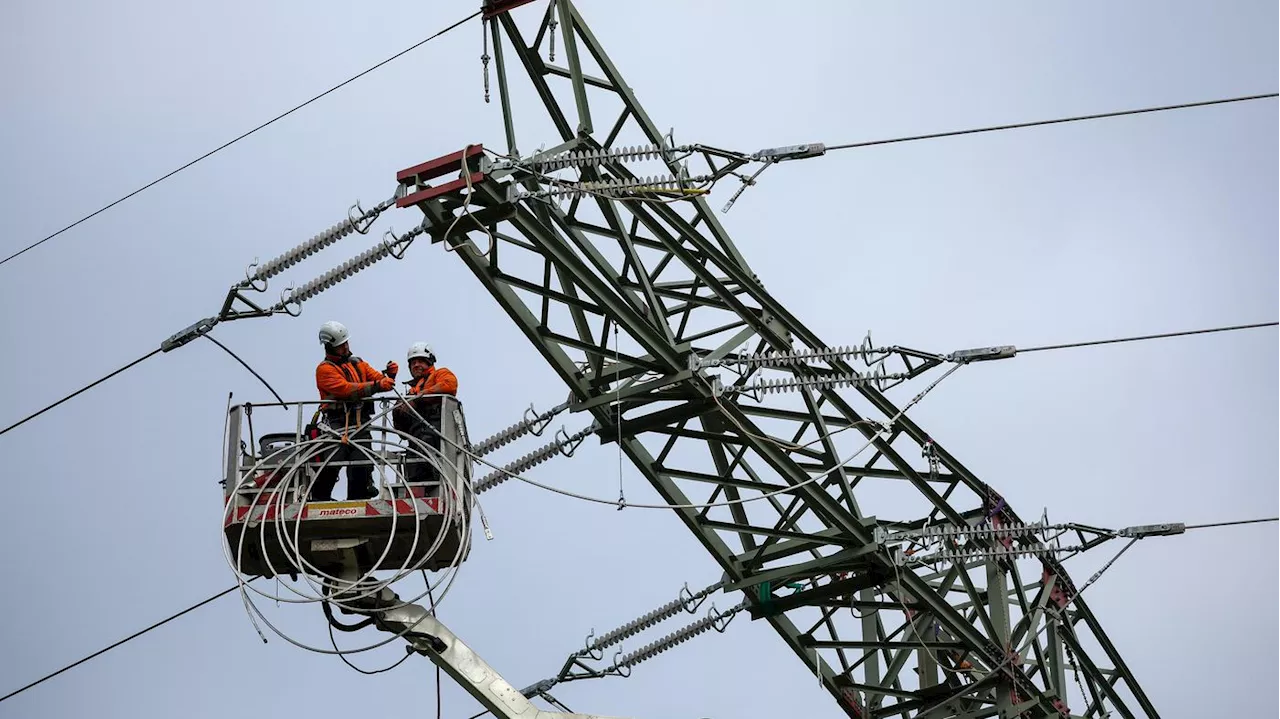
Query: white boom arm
column 428, row 637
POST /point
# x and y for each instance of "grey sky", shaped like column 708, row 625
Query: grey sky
column 1109, row 228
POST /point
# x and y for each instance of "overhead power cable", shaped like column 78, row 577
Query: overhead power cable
column 138, row 361
column 1058, row 121
column 1003, row 666
column 932, row 545
column 294, row 297
column 999, row 352
column 127, row 639
column 874, row 357
column 246, row 366
column 1233, row 523
column 789, row 153
column 83, row 389
column 242, row 136
column 1149, row 337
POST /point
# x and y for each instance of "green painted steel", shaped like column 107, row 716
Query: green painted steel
column 660, row 276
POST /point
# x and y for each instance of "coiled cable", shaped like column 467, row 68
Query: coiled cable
column 344, row 592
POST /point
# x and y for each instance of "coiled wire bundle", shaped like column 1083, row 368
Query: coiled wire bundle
column 322, row 587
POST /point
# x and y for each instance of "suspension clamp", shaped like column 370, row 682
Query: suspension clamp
column 1153, row 530
column 791, row 152
column 189, row 333
column 538, row 688
column 981, row 354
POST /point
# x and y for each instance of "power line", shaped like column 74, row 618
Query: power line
column 129, row 638
column 229, row 143
column 86, row 388
column 1230, row 524
column 228, row 590
column 1148, row 337
column 150, row 354
column 1002, row 666
column 1038, row 123
column 246, row 366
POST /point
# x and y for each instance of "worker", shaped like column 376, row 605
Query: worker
column 420, row 417
column 347, row 385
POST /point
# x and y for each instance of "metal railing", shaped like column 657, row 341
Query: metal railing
column 292, row 459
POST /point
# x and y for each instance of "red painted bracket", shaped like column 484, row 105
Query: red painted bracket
column 1061, row 594
column 418, row 175
column 497, row 7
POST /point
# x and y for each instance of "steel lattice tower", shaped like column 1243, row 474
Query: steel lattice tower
column 633, row 302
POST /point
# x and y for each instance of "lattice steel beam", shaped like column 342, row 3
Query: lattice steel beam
column 627, row 294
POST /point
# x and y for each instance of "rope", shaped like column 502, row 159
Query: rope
column 229, row 143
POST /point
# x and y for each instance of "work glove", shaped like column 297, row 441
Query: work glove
column 385, row 384
column 391, row 370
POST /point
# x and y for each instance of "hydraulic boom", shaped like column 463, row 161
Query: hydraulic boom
column 427, row 636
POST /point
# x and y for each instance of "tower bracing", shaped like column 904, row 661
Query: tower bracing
column 791, row 461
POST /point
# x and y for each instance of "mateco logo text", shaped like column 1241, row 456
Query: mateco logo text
column 338, row 512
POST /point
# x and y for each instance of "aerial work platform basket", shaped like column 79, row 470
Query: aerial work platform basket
column 271, row 529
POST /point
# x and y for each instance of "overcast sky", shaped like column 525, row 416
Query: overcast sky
column 1091, row 230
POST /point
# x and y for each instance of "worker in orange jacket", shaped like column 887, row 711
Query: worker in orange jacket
column 347, row 385
column 426, row 386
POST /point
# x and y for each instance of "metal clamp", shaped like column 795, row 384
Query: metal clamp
column 189, row 333
column 982, row 354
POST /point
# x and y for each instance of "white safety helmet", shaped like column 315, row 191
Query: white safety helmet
column 422, row 350
column 333, row 334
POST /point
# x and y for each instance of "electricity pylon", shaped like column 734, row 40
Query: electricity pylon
column 784, row 457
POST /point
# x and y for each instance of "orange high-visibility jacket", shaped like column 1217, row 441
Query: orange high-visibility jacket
column 437, row 380
column 346, row 379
